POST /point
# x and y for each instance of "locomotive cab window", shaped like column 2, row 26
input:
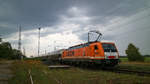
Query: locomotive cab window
column 109, row 47
column 95, row 47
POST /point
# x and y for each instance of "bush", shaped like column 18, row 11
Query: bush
column 6, row 51
column 133, row 53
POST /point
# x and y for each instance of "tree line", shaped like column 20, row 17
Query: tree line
column 7, row 52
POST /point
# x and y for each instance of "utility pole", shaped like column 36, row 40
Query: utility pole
column 24, row 51
column 19, row 41
column 0, row 38
column 45, row 51
column 39, row 42
column 54, row 46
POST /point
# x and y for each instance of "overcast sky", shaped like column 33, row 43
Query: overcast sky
column 66, row 22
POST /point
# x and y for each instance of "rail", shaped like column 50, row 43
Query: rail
column 127, row 71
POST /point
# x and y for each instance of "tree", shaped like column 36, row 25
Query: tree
column 6, row 51
column 16, row 54
column 133, row 53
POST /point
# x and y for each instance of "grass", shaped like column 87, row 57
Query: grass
column 42, row 75
column 140, row 66
column 125, row 59
column 147, row 59
column 137, row 66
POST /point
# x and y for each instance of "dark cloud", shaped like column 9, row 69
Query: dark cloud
column 30, row 14
column 36, row 13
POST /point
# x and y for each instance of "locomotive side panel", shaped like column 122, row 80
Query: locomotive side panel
column 94, row 53
column 97, row 51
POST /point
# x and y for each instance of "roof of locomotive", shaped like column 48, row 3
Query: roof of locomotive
column 108, row 42
column 81, row 44
column 89, row 43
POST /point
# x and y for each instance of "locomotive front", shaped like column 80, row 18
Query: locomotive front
column 104, row 53
column 110, row 53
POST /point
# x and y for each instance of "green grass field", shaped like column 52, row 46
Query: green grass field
column 43, row 75
column 125, row 59
column 140, row 66
column 147, row 59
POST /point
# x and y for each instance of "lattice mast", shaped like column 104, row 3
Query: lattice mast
column 19, row 40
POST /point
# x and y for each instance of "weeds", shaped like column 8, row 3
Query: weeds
column 43, row 75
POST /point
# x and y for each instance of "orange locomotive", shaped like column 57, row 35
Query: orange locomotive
column 102, row 53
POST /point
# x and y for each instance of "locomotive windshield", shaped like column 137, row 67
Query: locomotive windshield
column 109, row 47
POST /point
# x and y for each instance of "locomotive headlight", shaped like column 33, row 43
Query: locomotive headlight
column 106, row 54
column 114, row 54
column 117, row 55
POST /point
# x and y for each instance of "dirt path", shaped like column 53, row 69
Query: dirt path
column 5, row 71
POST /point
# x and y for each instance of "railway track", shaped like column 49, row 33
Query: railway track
column 127, row 71
column 114, row 69
column 120, row 70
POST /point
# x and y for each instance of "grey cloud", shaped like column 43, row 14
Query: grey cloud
column 30, row 14
column 105, row 10
column 36, row 13
column 84, row 36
